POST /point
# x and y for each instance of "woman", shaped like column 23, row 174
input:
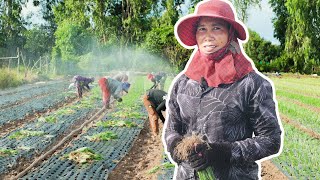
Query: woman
column 158, row 80
column 112, row 87
column 155, row 102
column 81, row 82
column 221, row 98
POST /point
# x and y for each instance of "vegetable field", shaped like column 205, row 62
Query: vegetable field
column 36, row 118
column 47, row 133
column 299, row 108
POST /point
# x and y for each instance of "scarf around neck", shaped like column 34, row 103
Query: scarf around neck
column 225, row 66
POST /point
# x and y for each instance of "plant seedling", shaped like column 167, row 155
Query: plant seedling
column 84, row 155
column 25, row 133
column 104, row 136
column 113, row 123
column 7, row 152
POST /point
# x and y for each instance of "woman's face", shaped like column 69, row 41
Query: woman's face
column 211, row 34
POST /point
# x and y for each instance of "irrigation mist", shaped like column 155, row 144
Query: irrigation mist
column 114, row 59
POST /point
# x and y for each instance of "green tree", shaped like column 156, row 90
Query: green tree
column 12, row 26
column 72, row 41
column 161, row 40
column 38, row 42
column 242, row 7
column 280, row 21
column 302, row 34
column 262, row 52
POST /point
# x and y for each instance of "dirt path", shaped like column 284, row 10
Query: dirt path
column 271, row 172
column 297, row 102
column 146, row 154
column 299, row 126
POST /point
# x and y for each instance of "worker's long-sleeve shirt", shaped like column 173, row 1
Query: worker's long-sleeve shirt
column 229, row 113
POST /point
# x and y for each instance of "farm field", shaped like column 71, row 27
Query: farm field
column 299, row 108
column 116, row 143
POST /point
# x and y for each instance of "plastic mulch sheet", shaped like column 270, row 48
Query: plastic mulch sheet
column 27, row 147
column 36, row 105
column 112, row 151
column 166, row 173
column 21, row 94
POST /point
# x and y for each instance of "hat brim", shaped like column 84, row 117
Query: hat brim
column 185, row 28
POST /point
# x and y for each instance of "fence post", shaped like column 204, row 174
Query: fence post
column 47, row 65
column 9, row 64
column 18, row 56
column 40, row 64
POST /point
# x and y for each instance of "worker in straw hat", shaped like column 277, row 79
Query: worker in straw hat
column 221, row 99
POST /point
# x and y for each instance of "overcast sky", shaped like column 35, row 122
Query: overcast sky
column 259, row 19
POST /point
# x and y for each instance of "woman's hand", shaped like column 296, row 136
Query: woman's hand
column 198, row 158
column 205, row 155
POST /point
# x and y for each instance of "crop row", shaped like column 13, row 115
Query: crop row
column 300, row 156
column 61, row 167
column 127, row 115
column 304, row 116
column 25, row 95
column 302, row 81
column 298, row 88
column 36, row 136
column 27, row 88
column 298, row 100
column 311, row 101
column 41, row 104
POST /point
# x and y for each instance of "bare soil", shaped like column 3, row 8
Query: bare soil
column 271, row 172
column 147, row 153
column 300, row 127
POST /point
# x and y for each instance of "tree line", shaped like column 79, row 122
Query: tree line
column 78, row 34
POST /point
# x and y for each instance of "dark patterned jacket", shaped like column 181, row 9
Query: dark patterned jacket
column 81, row 82
column 229, row 113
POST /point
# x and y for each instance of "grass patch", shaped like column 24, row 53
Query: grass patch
column 104, row 136
column 7, row 152
column 116, row 123
column 299, row 97
column 25, row 133
column 166, row 165
column 9, row 78
column 83, row 155
column 293, row 87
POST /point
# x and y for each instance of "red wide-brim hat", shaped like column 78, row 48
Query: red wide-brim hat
column 185, row 27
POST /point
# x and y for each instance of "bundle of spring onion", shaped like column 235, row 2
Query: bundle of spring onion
column 185, row 147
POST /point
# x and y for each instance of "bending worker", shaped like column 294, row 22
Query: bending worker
column 81, row 82
column 155, row 102
column 158, row 80
column 112, row 87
